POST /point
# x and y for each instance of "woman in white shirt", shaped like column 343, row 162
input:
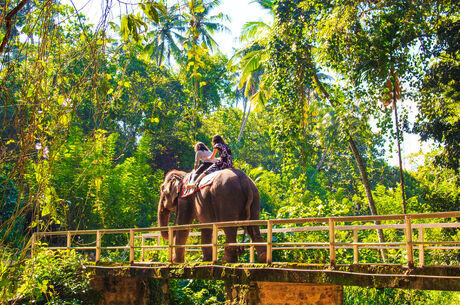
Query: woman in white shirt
column 202, row 153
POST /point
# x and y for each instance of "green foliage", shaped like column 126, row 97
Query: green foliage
column 254, row 146
column 269, row 184
column 105, row 189
column 51, row 278
column 439, row 187
column 439, row 112
column 11, row 216
column 188, row 292
column 90, row 125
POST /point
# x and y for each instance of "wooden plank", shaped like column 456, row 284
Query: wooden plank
column 331, row 242
column 355, row 246
column 98, row 246
column 428, row 242
column 69, row 242
column 276, row 221
column 214, row 243
column 410, row 254
column 131, row 246
column 143, row 249
column 421, row 252
column 337, row 228
column 170, row 243
column 269, row 241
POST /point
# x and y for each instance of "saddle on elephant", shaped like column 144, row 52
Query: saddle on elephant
column 207, row 180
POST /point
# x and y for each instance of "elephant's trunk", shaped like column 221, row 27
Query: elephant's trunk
column 163, row 219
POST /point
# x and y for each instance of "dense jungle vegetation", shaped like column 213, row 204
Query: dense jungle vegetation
column 93, row 116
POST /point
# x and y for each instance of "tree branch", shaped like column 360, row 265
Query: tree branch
column 9, row 23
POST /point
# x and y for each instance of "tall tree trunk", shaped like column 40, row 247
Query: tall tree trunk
column 320, row 163
column 243, row 123
column 367, row 187
column 245, row 119
column 401, row 177
column 9, row 23
column 361, row 167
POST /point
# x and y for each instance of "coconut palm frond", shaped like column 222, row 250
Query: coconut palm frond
column 253, row 30
column 266, row 4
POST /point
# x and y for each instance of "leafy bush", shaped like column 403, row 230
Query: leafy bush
column 188, row 292
column 53, row 277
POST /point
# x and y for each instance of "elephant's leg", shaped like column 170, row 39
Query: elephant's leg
column 206, row 238
column 231, row 254
column 184, row 215
column 254, row 233
column 181, row 239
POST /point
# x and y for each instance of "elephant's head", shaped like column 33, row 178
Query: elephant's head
column 169, row 194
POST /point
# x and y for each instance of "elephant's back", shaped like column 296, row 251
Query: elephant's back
column 232, row 196
column 234, row 183
column 230, row 176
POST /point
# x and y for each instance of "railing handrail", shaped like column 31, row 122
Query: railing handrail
column 224, row 224
column 272, row 245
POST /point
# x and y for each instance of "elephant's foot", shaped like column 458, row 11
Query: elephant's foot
column 262, row 257
column 230, row 256
column 178, row 260
column 207, row 258
column 207, row 254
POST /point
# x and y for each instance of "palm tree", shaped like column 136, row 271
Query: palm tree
column 201, row 25
column 251, row 63
column 166, row 37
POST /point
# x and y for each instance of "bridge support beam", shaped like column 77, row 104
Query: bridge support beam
column 129, row 290
column 276, row 293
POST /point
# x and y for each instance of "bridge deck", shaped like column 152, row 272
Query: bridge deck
column 364, row 275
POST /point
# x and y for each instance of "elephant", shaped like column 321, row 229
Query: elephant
column 232, row 196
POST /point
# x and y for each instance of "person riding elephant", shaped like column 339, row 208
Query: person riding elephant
column 225, row 160
column 232, row 196
column 202, row 154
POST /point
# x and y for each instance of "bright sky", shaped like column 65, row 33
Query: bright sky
column 240, row 12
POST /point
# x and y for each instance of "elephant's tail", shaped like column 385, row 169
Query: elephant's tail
column 249, row 201
column 252, row 204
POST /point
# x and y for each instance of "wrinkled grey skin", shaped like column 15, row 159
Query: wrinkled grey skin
column 232, row 196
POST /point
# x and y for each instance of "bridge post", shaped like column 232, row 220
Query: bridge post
column 269, row 241
column 131, row 246
column 98, row 245
column 410, row 253
column 170, row 243
column 355, row 246
column 251, row 254
column 214, row 243
column 142, row 248
column 332, row 241
column 69, row 242
column 421, row 248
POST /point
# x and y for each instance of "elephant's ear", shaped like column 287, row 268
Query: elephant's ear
column 175, row 186
column 166, row 188
column 172, row 188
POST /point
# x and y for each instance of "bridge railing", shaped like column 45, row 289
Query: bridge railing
column 330, row 226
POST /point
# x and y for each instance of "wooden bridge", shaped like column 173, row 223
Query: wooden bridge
column 331, row 251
